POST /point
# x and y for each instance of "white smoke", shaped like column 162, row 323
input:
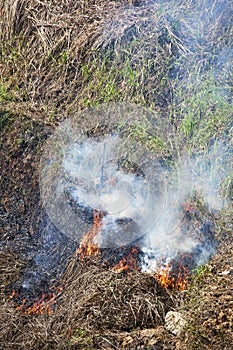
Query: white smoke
column 141, row 197
column 203, row 174
column 96, row 180
column 93, row 172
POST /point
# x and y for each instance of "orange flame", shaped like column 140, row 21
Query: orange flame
column 13, row 294
column 167, row 280
column 43, row 305
column 87, row 247
column 128, row 263
column 162, row 276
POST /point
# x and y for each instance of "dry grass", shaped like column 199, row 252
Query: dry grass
column 61, row 56
column 11, row 267
column 107, row 300
column 43, row 45
column 54, row 55
column 94, row 302
column 208, row 303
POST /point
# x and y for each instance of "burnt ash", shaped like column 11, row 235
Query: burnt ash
column 85, row 212
column 46, row 255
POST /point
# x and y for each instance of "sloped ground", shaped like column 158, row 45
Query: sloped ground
column 60, row 57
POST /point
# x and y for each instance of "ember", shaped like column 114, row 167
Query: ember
column 87, row 247
column 13, row 294
column 128, row 263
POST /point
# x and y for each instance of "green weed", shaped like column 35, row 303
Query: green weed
column 80, row 339
column 204, row 111
column 5, row 94
column 6, row 119
column 198, row 275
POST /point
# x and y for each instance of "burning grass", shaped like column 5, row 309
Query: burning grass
column 167, row 277
column 129, row 262
column 87, row 247
column 109, row 300
column 44, row 304
column 58, row 57
column 170, row 275
column 174, row 274
column 95, row 300
column 99, row 308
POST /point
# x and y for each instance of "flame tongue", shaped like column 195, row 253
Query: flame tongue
column 43, row 305
column 128, row 263
column 170, row 276
column 162, row 276
column 87, row 247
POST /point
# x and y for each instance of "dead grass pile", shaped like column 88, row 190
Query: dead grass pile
column 103, row 299
column 43, row 44
column 95, row 301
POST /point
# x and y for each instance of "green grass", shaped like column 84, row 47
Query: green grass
column 201, row 110
column 103, row 84
column 5, row 94
column 198, row 274
column 6, row 118
column 80, row 339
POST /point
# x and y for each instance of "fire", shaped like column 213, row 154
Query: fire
column 87, row 247
column 43, row 305
column 162, row 276
column 167, row 278
column 128, row 263
column 13, row 294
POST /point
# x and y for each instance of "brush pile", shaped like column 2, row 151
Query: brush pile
column 93, row 299
column 103, row 299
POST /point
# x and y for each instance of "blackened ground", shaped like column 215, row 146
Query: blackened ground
column 25, row 228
